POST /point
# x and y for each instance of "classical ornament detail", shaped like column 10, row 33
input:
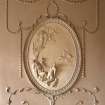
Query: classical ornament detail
column 28, row 1
column 75, row 1
column 82, row 91
column 92, row 31
column 34, row 1
column 46, row 69
column 85, row 23
column 85, row 92
column 52, row 6
column 17, row 31
column 52, row 54
column 52, row 9
column 15, row 92
column 19, row 91
column 25, row 103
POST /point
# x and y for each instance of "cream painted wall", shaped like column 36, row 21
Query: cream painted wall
column 10, row 51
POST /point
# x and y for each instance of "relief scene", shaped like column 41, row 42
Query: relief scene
column 52, row 55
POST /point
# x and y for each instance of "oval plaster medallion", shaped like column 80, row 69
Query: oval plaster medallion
column 52, row 56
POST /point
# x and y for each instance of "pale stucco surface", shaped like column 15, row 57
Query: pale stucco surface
column 10, row 50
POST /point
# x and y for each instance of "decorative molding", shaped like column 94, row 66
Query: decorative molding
column 83, row 74
column 28, row 1
column 52, row 15
column 85, row 91
column 60, row 15
column 19, row 91
column 18, row 30
column 36, row 68
column 55, row 6
column 34, row 1
column 86, row 30
column 85, row 23
column 76, row 1
column 52, row 99
column 21, row 51
column 7, row 20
